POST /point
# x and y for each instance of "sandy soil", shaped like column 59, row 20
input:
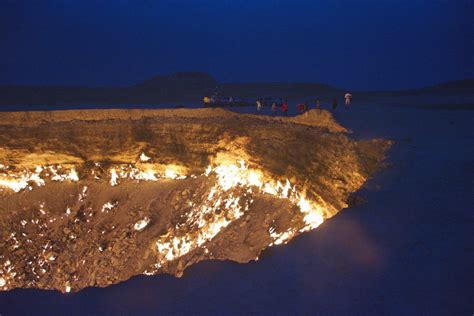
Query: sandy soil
column 111, row 194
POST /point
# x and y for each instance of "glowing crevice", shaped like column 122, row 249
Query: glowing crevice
column 208, row 223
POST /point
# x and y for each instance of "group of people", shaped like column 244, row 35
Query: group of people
column 347, row 100
column 283, row 105
column 302, row 107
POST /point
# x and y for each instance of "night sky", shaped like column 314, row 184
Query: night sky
column 363, row 44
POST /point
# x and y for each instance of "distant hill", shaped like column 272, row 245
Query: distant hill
column 451, row 87
column 192, row 86
column 169, row 88
column 181, row 81
column 456, row 87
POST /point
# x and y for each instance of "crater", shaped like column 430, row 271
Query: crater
column 93, row 197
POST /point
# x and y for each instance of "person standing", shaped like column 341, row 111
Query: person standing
column 300, row 107
column 334, row 104
column 348, row 98
column 274, row 108
column 284, row 109
column 259, row 105
column 318, row 103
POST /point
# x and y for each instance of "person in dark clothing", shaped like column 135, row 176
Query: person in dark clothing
column 274, row 108
column 334, row 104
column 318, row 103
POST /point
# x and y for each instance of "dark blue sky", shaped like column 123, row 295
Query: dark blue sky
column 358, row 44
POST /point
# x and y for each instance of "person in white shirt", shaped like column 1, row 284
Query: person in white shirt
column 259, row 105
column 348, row 98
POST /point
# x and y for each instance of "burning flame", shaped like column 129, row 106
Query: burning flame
column 207, row 222
column 141, row 224
column 20, row 181
column 144, row 157
column 231, row 196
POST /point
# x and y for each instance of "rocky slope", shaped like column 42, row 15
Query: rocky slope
column 91, row 198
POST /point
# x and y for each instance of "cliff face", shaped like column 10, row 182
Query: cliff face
column 91, row 198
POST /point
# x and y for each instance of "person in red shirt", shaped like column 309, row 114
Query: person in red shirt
column 300, row 107
column 284, row 108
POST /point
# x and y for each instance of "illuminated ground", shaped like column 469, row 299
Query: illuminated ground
column 91, row 198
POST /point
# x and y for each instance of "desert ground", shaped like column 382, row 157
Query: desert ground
column 407, row 247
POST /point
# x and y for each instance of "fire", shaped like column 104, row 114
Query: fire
column 170, row 174
column 107, row 206
column 71, row 175
column 141, row 224
column 230, row 197
column 280, row 238
column 147, row 175
column 208, row 223
column 20, row 181
column 174, row 172
column 144, row 157
column 113, row 177
column 15, row 185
